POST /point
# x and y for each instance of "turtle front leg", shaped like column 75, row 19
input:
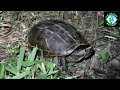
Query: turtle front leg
column 64, row 63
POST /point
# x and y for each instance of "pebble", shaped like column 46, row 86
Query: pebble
column 115, row 64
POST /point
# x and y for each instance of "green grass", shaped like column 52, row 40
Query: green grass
column 25, row 64
column 61, row 15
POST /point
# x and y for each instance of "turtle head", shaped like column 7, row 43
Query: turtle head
column 83, row 52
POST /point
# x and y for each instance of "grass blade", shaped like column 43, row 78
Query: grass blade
column 2, row 70
column 53, row 72
column 7, row 77
column 55, row 60
column 41, row 55
column 20, row 58
column 28, row 63
column 42, row 67
column 51, row 67
column 72, row 77
column 23, row 74
column 61, row 14
column 33, row 54
column 11, row 69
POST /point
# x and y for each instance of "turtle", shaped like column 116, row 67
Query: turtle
column 61, row 39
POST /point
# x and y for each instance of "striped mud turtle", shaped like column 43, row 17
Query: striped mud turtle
column 57, row 38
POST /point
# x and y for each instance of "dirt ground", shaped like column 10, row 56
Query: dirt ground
column 20, row 22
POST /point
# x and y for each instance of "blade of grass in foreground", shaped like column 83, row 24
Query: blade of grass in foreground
column 42, row 67
column 61, row 14
column 20, row 58
column 11, row 69
column 72, row 77
column 2, row 70
column 20, row 76
column 33, row 54
column 28, row 63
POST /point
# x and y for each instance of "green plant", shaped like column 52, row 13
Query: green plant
column 25, row 64
column 61, row 14
column 104, row 56
column 26, row 67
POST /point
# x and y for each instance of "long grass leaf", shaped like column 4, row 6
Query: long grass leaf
column 43, row 69
column 52, row 72
column 2, row 70
column 72, row 77
column 28, row 63
column 8, row 77
column 41, row 53
column 20, row 58
column 33, row 54
column 13, row 71
column 23, row 74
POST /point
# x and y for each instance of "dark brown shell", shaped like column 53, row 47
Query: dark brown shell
column 55, row 37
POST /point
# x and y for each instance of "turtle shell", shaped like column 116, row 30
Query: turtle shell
column 55, row 37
